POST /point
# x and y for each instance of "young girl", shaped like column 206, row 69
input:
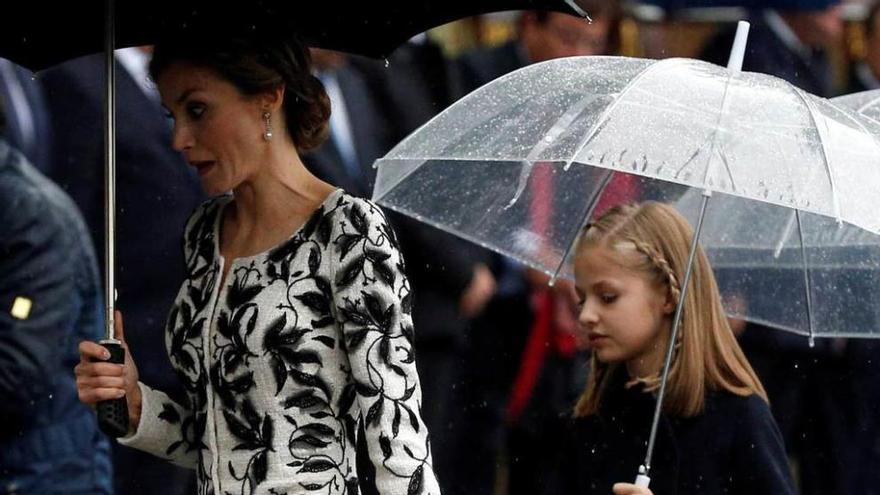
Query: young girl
column 716, row 435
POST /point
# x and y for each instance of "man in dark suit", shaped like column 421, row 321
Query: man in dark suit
column 529, row 372
column 541, row 36
column 865, row 74
column 803, row 382
column 860, row 355
column 156, row 192
column 27, row 119
column 791, row 44
column 371, row 110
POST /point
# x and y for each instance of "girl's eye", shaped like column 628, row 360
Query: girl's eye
column 195, row 110
column 608, row 298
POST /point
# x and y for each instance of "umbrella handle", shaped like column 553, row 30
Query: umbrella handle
column 113, row 413
column 642, row 479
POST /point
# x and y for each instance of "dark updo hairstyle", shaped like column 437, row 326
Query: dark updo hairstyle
column 255, row 59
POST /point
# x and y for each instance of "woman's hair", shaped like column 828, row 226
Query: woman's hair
column 708, row 357
column 255, row 61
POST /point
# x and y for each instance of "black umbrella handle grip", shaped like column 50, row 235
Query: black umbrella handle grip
column 113, row 413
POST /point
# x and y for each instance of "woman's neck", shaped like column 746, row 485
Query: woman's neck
column 276, row 200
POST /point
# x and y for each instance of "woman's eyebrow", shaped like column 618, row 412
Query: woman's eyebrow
column 186, row 94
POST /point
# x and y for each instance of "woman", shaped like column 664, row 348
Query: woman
column 294, row 320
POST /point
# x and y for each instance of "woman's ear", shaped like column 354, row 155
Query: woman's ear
column 273, row 99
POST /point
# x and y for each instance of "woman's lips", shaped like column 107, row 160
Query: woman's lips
column 595, row 339
column 202, row 167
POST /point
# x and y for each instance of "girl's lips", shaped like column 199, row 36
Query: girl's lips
column 596, row 338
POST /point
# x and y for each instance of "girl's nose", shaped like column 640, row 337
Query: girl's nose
column 588, row 317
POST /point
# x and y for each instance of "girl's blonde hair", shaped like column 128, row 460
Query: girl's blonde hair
column 708, row 356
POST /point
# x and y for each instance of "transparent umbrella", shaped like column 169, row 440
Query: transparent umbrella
column 866, row 103
column 484, row 168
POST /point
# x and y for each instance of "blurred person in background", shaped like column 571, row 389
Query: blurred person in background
column 526, row 368
column 860, row 355
column 790, row 42
column 156, row 192
column 807, row 386
column 865, row 74
column 50, row 299
column 28, row 126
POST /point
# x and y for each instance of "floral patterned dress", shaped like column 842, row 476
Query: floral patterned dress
column 284, row 360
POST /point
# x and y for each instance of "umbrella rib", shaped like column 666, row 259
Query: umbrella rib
column 871, row 103
column 807, row 280
column 603, row 119
column 577, row 8
column 863, row 128
column 811, row 111
column 713, row 143
column 558, row 127
column 591, row 206
column 723, row 157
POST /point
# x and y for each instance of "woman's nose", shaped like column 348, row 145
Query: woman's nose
column 181, row 138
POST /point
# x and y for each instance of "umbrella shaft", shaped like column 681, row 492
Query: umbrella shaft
column 110, row 169
column 675, row 328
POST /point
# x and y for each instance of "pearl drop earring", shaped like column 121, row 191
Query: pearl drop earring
column 267, row 136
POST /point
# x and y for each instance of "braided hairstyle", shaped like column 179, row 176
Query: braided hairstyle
column 654, row 239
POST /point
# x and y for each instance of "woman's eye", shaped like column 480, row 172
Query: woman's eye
column 608, row 298
column 195, row 110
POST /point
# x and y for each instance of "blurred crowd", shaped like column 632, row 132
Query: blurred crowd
column 499, row 361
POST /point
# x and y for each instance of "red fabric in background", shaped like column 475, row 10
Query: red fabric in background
column 544, row 337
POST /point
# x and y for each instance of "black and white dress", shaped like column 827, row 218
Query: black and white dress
column 283, row 360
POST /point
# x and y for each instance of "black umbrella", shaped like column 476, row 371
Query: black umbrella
column 37, row 36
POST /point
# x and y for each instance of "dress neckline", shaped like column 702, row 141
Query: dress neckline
column 218, row 221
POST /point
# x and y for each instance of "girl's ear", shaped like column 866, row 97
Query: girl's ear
column 669, row 304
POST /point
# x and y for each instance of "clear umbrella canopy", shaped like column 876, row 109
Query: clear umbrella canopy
column 805, row 273
column 520, row 165
column 866, row 103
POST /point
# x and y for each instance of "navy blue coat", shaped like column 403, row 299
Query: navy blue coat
column 733, row 447
column 49, row 440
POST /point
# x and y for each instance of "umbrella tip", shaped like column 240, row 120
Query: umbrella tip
column 738, row 51
column 579, row 10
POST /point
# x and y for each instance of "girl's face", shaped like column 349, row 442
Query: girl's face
column 624, row 314
column 217, row 128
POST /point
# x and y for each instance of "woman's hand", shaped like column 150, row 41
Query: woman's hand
column 97, row 381
column 630, row 489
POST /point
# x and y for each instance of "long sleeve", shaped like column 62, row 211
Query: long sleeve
column 372, row 300
column 167, row 429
